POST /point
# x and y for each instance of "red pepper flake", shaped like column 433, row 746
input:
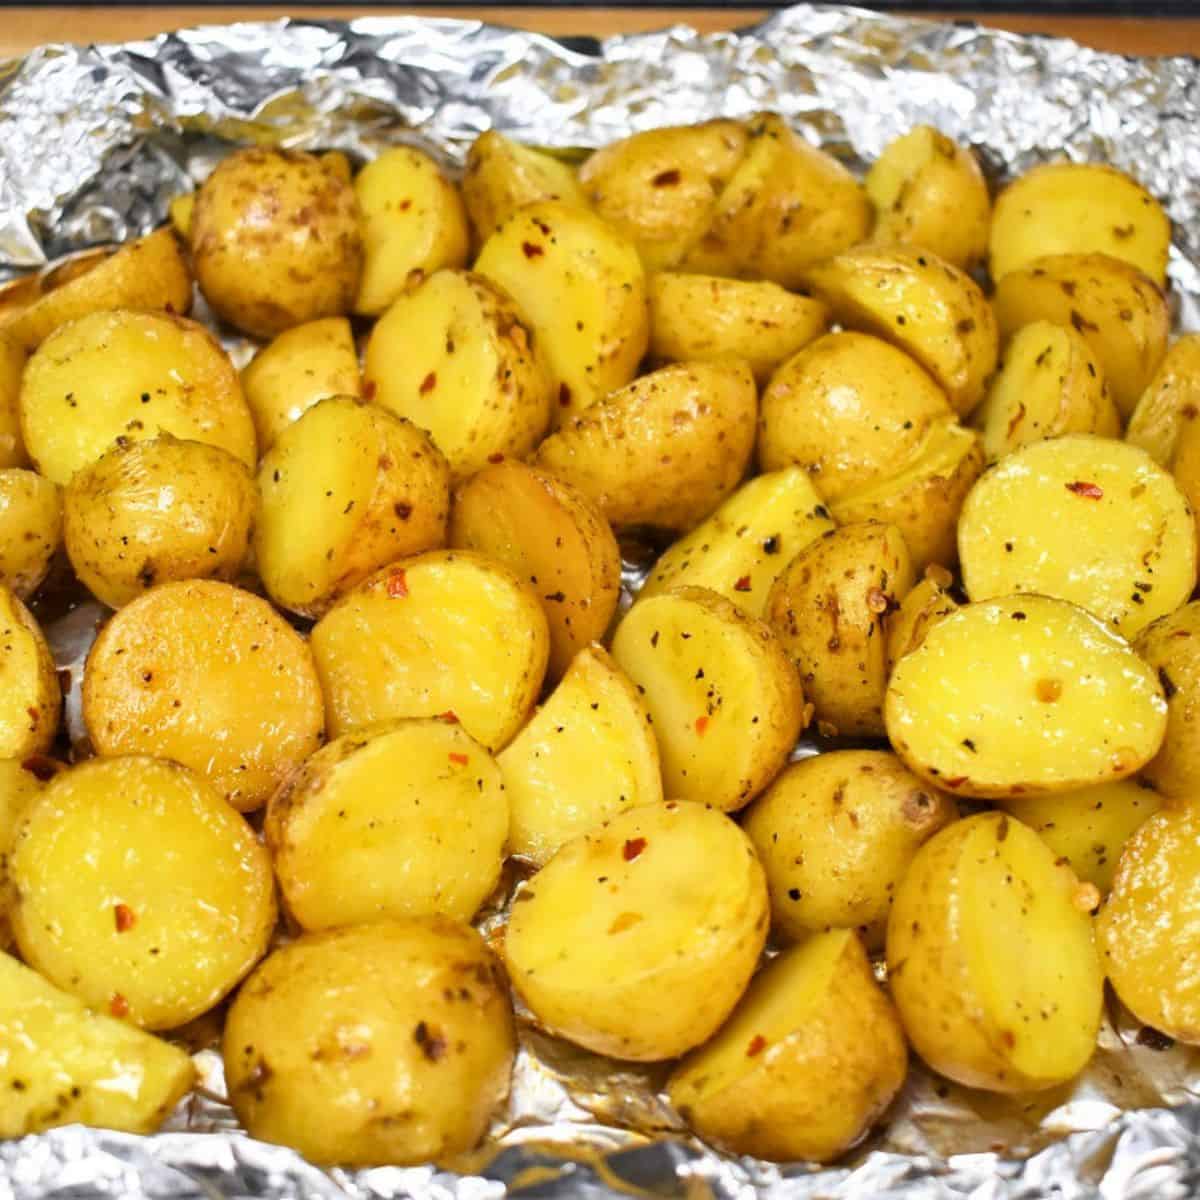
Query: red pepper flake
column 124, row 918
column 496, row 458
column 428, row 383
column 118, row 1005
column 461, row 759
column 405, row 204
column 449, row 716
column 1090, row 491
column 633, row 847
column 532, row 250
column 44, row 769
column 955, row 781
column 369, row 389
column 397, row 585
column 701, row 725
column 743, row 584
column 564, row 395
column 758, row 1044
column 666, row 178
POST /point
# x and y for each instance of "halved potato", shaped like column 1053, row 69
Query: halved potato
column 1171, row 647
column 1185, row 467
column 21, row 781
column 1023, row 695
column 12, row 367
column 990, row 958
column 923, row 607
column 31, row 528
column 1086, row 519
column 637, row 939
column 587, row 754
column 346, row 489
column 1170, row 402
column 445, row 632
column 726, row 702
column 30, row 699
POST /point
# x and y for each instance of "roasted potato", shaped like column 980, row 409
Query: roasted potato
column 402, row 819
column 302, row 365
column 835, row 834
column 666, row 450
column 157, row 511
column 582, row 289
column 275, row 240
column 828, row 608
column 1185, row 467
column 413, row 223
column 30, row 699
column 851, row 409
column 1170, row 402
column 929, row 192
column 455, row 357
column 208, row 675
column 742, row 548
column 637, row 939
column 1116, row 309
column 1086, row 519
column 700, row 317
column 927, row 603
column 445, row 632
column 990, row 958
column 12, row 367
column 21, row 780
column 31, row 528
column 346, row 489
column 130, row 375
column 917, row 301
column 381, row 1044
column 1023, row 695
column 1171, row 647
column 811, row 1057
column 65, row 1064
column 139, row 890
column 1078, row 208
column 587, row 754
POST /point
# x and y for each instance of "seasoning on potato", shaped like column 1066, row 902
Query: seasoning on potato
column 30, row 697
column 1171, row 648
column 1170, row 402
column 31, row 529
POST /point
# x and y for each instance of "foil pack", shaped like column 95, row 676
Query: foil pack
column 94, row 141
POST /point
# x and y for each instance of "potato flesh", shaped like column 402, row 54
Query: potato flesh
column 1170, row 402
column 926, row 604
column 594, row 717
column 1023, row 694
column 30, row 698
column 30, row 528
column 12, row 366
column 1171, row 647
column 991, row 961
column 1085, row 519
column 64, row 1063
column 140, row 890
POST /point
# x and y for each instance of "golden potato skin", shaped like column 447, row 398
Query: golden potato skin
column 12, row 367
column 616, row 453
column 828, row 609
column 812, row 1056
column 383, row 1044
column 21, row 780
column 275, row 240
column 1170, row 402
column 31, row 528
column 835, row 834
column 140, row 890
column 158, row 511
column 637, row 939
column 210, row 676
column 1171, row 647
column 1185, row 467
column 30, row 698
column 923, row 607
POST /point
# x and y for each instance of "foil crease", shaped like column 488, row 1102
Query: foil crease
column 94, row 141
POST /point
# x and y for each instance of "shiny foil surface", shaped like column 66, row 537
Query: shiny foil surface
column 93, row 144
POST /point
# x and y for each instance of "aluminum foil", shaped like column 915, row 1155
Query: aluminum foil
column 93, row 144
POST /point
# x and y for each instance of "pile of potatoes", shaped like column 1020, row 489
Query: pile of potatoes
column 923, row 469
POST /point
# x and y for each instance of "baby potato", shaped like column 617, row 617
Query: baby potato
column 389, row 1043
column 659, row 187
column 140, row 891
column 828, row 609
column 149, row 273
column 21, row 780
column 445, row 632
column 1023, row 695
column 740, row 550
column 275, row 240
column 346, row 489
column 811, row 1058
column 836, row 833
column 1146, row 929
column 12, row 367
column 1185, row 467
column 157, row 511
column 924, row 606
column 402, row 819
column 1086, row 519
column 928, row 191
column 700, row 317
column 31, row 529
column 666, row 449
column 582, row 289
column 1171, row 647
column 413, row 223
column 1116, row 309
column 849, row 408
column 587, row 754
column 501, row 176
column 1088, row 828
column 919, row 302
column 210, row 676
column 637, row 939
column 991, row 961
column 455, row 357
column 130, row 375
column 65, row 1064
column 1170, row 402
column 302, row 365
column 1078, row 208
column 1049, row 383
column 30, row 699
column 551, row 535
